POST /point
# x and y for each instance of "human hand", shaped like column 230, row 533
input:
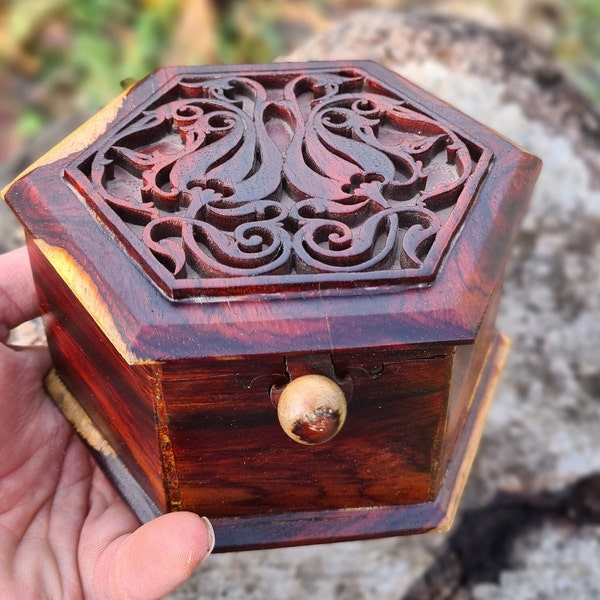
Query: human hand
column 64, row 531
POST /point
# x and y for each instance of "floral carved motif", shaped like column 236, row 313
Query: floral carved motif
column 321, row 177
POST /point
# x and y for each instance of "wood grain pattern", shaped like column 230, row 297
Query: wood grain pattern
column 220, row 231
column 223, row 182
column 322, row 526
column 313, row 527
column 117, row 396
column 393, row 420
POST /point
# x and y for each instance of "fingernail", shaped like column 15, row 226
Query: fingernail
column 211, row 534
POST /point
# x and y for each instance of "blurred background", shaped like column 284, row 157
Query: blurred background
column 64, row 58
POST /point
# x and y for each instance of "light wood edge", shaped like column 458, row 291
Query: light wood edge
column 491, row 371
column 89, row 296
column 76, row 415
column 445, row 507
column 75, row 277
column 105, row 455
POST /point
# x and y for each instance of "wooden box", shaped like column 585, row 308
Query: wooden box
column 218, row 234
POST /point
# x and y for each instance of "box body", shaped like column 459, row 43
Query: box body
column 172, row 344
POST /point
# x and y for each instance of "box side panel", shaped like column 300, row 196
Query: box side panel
column 468, row 363
column 119, row 398
column 233, row 459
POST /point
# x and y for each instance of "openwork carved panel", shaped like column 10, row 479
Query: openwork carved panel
column 270, row 181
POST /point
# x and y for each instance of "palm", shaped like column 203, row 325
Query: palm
column 64, row 531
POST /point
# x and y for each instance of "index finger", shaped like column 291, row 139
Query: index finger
column 18, row 301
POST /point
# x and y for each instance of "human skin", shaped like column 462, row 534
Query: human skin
column 64, row 531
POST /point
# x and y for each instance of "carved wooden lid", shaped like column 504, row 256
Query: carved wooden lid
column 322, row 182
column 311, row 176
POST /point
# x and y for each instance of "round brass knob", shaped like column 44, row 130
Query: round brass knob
column 311, row 409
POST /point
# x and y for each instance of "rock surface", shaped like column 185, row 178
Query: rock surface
column 550, row 562
column 529, row 521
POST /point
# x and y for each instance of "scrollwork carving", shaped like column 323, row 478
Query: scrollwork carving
column 306, row 175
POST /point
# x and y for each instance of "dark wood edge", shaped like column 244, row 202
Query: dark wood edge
column 147, row 326
column 279, row 530
column 145, row 509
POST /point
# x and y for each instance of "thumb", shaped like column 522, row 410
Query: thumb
column 155, row 559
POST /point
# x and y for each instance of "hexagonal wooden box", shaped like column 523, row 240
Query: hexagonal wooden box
column 218, row 232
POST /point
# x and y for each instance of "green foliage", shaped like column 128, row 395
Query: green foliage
column 83, row 49
column 113, row 40
column 578, row 43
column 248, row 32
column 76, row 53
column 581, row 27
column 30, row 123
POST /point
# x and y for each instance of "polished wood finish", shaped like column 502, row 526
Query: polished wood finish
column 218, row 233
column 319, row 526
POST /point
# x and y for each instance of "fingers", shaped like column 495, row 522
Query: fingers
column 21, row 382
column 18, row 302
column 154, row 559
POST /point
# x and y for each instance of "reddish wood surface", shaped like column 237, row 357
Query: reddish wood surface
column 221, row 224
column 234, row 459
column 332, row 176
column 379, row 315
column 312, row 527
column 118, row 397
